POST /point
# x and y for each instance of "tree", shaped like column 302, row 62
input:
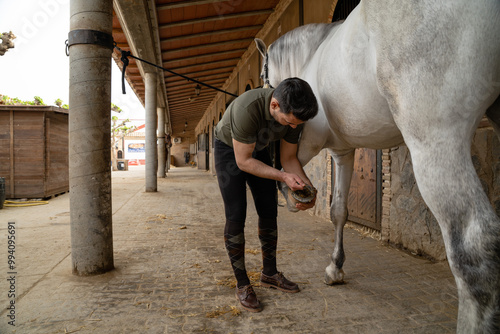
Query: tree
column 14, row 101
column 6, row 42
column 118, row 131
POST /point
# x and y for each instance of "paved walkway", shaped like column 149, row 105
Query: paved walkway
column 173, row 276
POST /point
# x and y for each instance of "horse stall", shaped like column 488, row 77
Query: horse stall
column 407, row 222
column 384, row 198
column 34, row 151
column 203, row 152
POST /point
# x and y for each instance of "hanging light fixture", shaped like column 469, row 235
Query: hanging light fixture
column 197, row 89
column 186, row 124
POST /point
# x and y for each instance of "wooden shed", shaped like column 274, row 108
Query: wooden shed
column 34, row 151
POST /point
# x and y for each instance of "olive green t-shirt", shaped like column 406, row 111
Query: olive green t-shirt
column 248, row 120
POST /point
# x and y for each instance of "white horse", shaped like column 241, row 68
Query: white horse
column 420, row 72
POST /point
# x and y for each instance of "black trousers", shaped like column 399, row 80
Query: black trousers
column 232, row 184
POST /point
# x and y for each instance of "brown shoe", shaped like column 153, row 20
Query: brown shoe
column 248, row 298
column 278, row 281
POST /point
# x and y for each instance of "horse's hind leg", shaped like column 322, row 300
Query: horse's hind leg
column 471, row 230
column 338, row 213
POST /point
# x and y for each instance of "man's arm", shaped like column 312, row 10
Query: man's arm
column 245, row 162
column 291, row 164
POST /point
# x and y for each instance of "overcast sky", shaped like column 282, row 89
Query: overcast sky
column 38, row 65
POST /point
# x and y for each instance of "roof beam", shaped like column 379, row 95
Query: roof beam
column 202, row 78
column 191, row 102
column 206, row 55
column 189, row 91
column 210, row 45
column 216, row 18
column 212, row 33
column 177, row 69
column 190, row 87
column 187, row 3
column 219, row 70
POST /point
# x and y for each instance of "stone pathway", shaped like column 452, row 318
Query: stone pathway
column 173, row 275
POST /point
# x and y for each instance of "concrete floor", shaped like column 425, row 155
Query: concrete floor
column 173, row 275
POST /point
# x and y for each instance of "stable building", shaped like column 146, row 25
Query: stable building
column 211, row 42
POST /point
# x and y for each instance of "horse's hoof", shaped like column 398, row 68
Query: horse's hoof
column 291, row 207
column 287, row 195
column 334, row 276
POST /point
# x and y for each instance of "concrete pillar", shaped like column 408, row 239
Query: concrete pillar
column 151, row 147
column 161, row 143
column 90, row 142
column 169, row 159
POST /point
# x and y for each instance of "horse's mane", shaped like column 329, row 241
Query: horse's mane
column 301, row 43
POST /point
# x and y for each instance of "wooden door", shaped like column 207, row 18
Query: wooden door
column 364, row 203
column 202, row 155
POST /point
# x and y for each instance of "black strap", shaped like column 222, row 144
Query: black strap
column 124, row 59
column 88, row 36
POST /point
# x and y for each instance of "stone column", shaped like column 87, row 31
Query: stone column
column 151, row 147
column 169, row 159
column 90, row 142
column 161, row 143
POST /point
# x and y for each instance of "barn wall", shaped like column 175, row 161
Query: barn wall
column 250, row 73
column 319, row 172
column 317, row 11
column 406, row 220
column 410, row 224
column 313, row 11
column 177, row 152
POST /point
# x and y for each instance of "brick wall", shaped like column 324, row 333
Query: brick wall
column 407, row 222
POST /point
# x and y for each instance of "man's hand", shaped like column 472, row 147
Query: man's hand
column 294, row 182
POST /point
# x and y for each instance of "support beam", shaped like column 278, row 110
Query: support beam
column 223, row 32
column 151, row 147
column 169, row 153
column 161, row 143
column 216, row 18
column 182, row 4
column 201, row 57
column 90, row 143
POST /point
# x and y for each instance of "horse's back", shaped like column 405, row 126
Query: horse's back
column 436, row 61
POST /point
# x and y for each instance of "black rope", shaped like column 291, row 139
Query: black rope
column 124, row 59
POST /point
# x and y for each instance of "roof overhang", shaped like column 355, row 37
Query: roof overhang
column 201, row 39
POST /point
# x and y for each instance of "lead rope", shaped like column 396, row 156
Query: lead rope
column 125, row 61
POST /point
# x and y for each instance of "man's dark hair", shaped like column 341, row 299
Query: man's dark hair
column 295, row 96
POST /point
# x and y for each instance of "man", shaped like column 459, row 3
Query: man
column 251, row 122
